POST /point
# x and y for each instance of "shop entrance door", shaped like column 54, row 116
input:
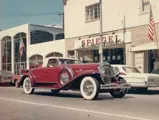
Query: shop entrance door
column 152, row 54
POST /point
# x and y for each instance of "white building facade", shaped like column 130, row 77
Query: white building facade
column 40, row 42
column 125, row 31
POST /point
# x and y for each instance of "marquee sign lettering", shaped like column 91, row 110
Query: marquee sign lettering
column 108, row 40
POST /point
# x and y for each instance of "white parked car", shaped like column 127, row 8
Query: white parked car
column 137, row 80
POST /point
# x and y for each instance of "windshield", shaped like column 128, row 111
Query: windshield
column 131, row 70
column 68, row 61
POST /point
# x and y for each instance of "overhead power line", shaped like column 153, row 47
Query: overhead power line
column 6, row 15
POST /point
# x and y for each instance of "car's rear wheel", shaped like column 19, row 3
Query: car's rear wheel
column 17, row 84
column 27, row 86
column 89, row 88
column 118, row 93
column 55, row 92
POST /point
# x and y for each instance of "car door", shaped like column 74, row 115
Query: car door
column 52, row 71
column 39, row 74
column 52, row 74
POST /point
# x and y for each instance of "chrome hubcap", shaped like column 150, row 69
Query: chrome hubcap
column 88, row 88
column 27, row 85
column 64, row 78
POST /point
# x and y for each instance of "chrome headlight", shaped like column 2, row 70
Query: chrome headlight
column 101, row 69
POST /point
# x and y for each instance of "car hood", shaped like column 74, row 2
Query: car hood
column 146, row 75
column 84, row 65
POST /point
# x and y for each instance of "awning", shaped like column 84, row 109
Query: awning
column 145, row 46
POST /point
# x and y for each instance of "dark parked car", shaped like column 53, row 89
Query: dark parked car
column 5, row 77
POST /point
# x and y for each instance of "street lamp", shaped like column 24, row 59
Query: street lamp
column 101, row 34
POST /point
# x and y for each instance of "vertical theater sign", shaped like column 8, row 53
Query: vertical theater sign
column 108, row 40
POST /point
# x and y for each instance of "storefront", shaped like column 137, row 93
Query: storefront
column 114, row 49
column 145, row 56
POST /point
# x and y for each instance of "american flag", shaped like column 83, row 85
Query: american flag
column 21, row 47
column 151, row 26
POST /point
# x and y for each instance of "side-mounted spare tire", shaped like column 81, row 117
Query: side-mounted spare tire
column 65, row 76
column 89, row 88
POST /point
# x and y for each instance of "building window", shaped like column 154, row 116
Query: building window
column 92, row 12
column 71, row 54
column 6, row 53
column 145, row 6
column 36, row 59
column 54, row 54
column 38, row 36
column 20, row 62
column 59, row 36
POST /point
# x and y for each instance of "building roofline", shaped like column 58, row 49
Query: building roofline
column 46, row 26
column 11, row 28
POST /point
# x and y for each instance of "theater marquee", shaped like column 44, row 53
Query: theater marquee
column 108, row 40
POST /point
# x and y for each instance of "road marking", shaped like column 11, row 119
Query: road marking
column 74, row 109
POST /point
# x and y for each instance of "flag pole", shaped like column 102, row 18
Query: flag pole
column 20, row 65
column 156, row 41
column 155, row 36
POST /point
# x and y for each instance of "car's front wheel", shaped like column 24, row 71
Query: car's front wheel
column 89, row 88
column 118, row 93
column 27, row 86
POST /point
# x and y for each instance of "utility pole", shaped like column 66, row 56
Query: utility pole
column 62, row 14
column 101, row 34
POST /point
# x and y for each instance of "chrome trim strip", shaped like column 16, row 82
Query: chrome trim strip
column 44, row 88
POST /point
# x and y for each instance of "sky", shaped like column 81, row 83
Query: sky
column 17, row 12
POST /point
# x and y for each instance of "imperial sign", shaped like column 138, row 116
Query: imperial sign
column 107, row 40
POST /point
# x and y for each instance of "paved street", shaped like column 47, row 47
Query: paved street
column 15, row 105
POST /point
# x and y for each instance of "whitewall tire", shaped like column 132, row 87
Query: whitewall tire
column 27, row 86
column 89, row 88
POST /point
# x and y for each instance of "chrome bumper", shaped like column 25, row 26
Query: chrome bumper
column 153, row 84
column 115, row 86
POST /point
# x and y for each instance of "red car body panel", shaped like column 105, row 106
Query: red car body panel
column 16, row 77
column 49, row 77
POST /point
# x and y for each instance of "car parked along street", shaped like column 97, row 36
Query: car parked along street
column 66, row 73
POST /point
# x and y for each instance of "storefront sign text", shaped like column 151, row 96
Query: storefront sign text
column 107, row 40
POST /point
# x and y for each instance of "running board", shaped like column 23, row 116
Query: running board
column 44, row 88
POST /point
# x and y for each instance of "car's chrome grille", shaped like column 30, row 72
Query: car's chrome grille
column 108, row 70
column 108, row 74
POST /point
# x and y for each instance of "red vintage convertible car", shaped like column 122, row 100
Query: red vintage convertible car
column 67, row 74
